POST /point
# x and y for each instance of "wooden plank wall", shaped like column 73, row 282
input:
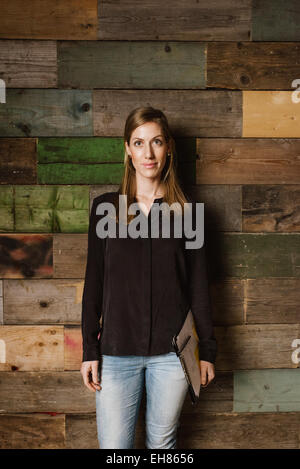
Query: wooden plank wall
column 224, row 73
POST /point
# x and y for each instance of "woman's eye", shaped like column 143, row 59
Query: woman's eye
column 137, row 142
column 157, row 140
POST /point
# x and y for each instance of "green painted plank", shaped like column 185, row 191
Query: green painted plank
column 67, row 173
column 99, row 149
column 275, row 20
column 131, row 64
column 254, row 255
column 49, row 112
column 6, row 208
column 43, row 209
column 266, row 390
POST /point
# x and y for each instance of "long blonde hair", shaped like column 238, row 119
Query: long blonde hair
column 173, row 191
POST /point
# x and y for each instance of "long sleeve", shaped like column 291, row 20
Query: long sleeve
column 93, row 290
column 200, row 301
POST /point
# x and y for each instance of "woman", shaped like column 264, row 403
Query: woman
column 144, row 287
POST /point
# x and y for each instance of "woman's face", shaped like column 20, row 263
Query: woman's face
column 148, row 149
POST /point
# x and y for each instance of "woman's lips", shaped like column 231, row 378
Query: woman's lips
column 151, row 165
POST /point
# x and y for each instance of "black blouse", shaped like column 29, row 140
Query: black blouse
column 143, row 287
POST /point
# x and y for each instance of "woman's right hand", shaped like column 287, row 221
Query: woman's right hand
column 91, row 368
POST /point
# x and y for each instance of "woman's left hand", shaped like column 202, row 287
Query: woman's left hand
column 207, row 372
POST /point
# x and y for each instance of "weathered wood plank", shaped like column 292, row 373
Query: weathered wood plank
column 271, row 208
column 50, row 19
column 252, row 65
column 227, row 299
column 73, row 348
column 7, row 222
column 28, row 64
column 26, row 256
column 272, row 300
column 46, row 113
column 188, row 21
column 275, row 21
column 270, row 114
column 70, row 173
column 69, row 255
column 222, row 205
column 81, row 431
column 122, row 64
column 254, row 255
column 18, row 161
column 266, row 391
column 52, row 208
column 32, row 348
column 256, row 346
column 209, row 113
column 32, row 431
column 248, row 161
column 47, row 391
column 241, row 431
column 1, row 302
column 49, row 301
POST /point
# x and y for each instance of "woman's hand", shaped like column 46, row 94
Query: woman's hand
column 88, row 368
column 207, row 372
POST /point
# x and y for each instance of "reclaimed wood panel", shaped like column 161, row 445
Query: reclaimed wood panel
column 32, row 431
column 248, row 161
column 254, row 255
column 241, row 431
column 47, row 391
column 209, row 113
column 72, row 348
column 81, row 431
column 125, row 64
column 46, row 113
column 70, row 173
column 50, row 301
column 252, row 65
column 101, row 189
column 26, row 256
column 275, row 21
column 28, row 64
column 52, row 208
column 227, row 300
column 271, row 208
column 1, row 302
column 222, row 205
column 272, row 300
column 32, row 348
column 270, row 114
column 18, row 161
column 69, row 255
column 256, row 346
column 50, row 19
column 266, row 391
column 188, row 21
column 7, row 222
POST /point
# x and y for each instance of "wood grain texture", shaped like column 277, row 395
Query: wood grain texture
column 272, row 300
column 28, row 64
column 1, row 301
column 50, row 301
column 270, row 114
column 275, row 21
column 248, row 161
column 241, row 431
column 32, row 348
column 32, row 431
column 252, row 65
column 69, row 255
column 47, row 391
column 271, row 208
column 18, row 161
column 266, row 391
column 218, row 20
column 45, row 209
column 125, row 64
column 72, row 348
column 81, row 431
column 227, row 299
column 45, row 113
column 256, row 346
column 26, row 256
column 254, row 255
column 193, row 113
column 50, row 19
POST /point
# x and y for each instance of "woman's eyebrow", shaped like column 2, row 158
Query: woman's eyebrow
column 139, row 138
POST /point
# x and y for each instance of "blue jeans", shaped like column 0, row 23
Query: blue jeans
column 118, row 402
